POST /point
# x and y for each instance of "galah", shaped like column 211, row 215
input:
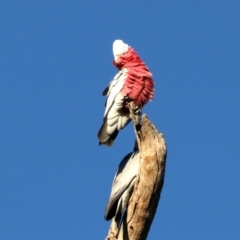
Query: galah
column 132, row 86
column 122, row 187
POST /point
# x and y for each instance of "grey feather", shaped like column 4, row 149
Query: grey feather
column 122, row 187
column 104, row 137
column 105, row 91
column 114, row 117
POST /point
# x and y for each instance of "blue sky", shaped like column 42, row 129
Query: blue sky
column 55, row 60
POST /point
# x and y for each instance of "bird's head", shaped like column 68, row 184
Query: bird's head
column 119, row 49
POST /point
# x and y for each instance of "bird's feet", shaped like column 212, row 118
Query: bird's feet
column 134, row 113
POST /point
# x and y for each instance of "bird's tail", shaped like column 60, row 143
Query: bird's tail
column 104, row 137
column 110, row 128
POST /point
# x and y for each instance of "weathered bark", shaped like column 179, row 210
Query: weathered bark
column 143, row 203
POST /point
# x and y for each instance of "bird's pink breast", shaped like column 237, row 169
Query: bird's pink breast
column 139, row 85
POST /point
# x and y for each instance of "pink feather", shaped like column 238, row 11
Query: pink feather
column 139, row 85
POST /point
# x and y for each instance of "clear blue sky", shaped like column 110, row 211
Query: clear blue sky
column 55, row 60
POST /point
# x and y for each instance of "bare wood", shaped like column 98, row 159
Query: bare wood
column 144, row 201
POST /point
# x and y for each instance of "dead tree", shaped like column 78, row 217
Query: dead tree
column 143, row 203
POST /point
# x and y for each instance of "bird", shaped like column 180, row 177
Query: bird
column 122, row 187
column 131, row 88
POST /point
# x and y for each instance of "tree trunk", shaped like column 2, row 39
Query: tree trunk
column 143, row 203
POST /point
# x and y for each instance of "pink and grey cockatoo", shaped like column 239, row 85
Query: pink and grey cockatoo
column 132, row 86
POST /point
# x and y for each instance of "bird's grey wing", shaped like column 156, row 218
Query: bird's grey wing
column 125, row 174
column 114, row 120
column 114, row 89
column 123, row 201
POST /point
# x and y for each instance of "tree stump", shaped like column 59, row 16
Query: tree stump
column 143, row 203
